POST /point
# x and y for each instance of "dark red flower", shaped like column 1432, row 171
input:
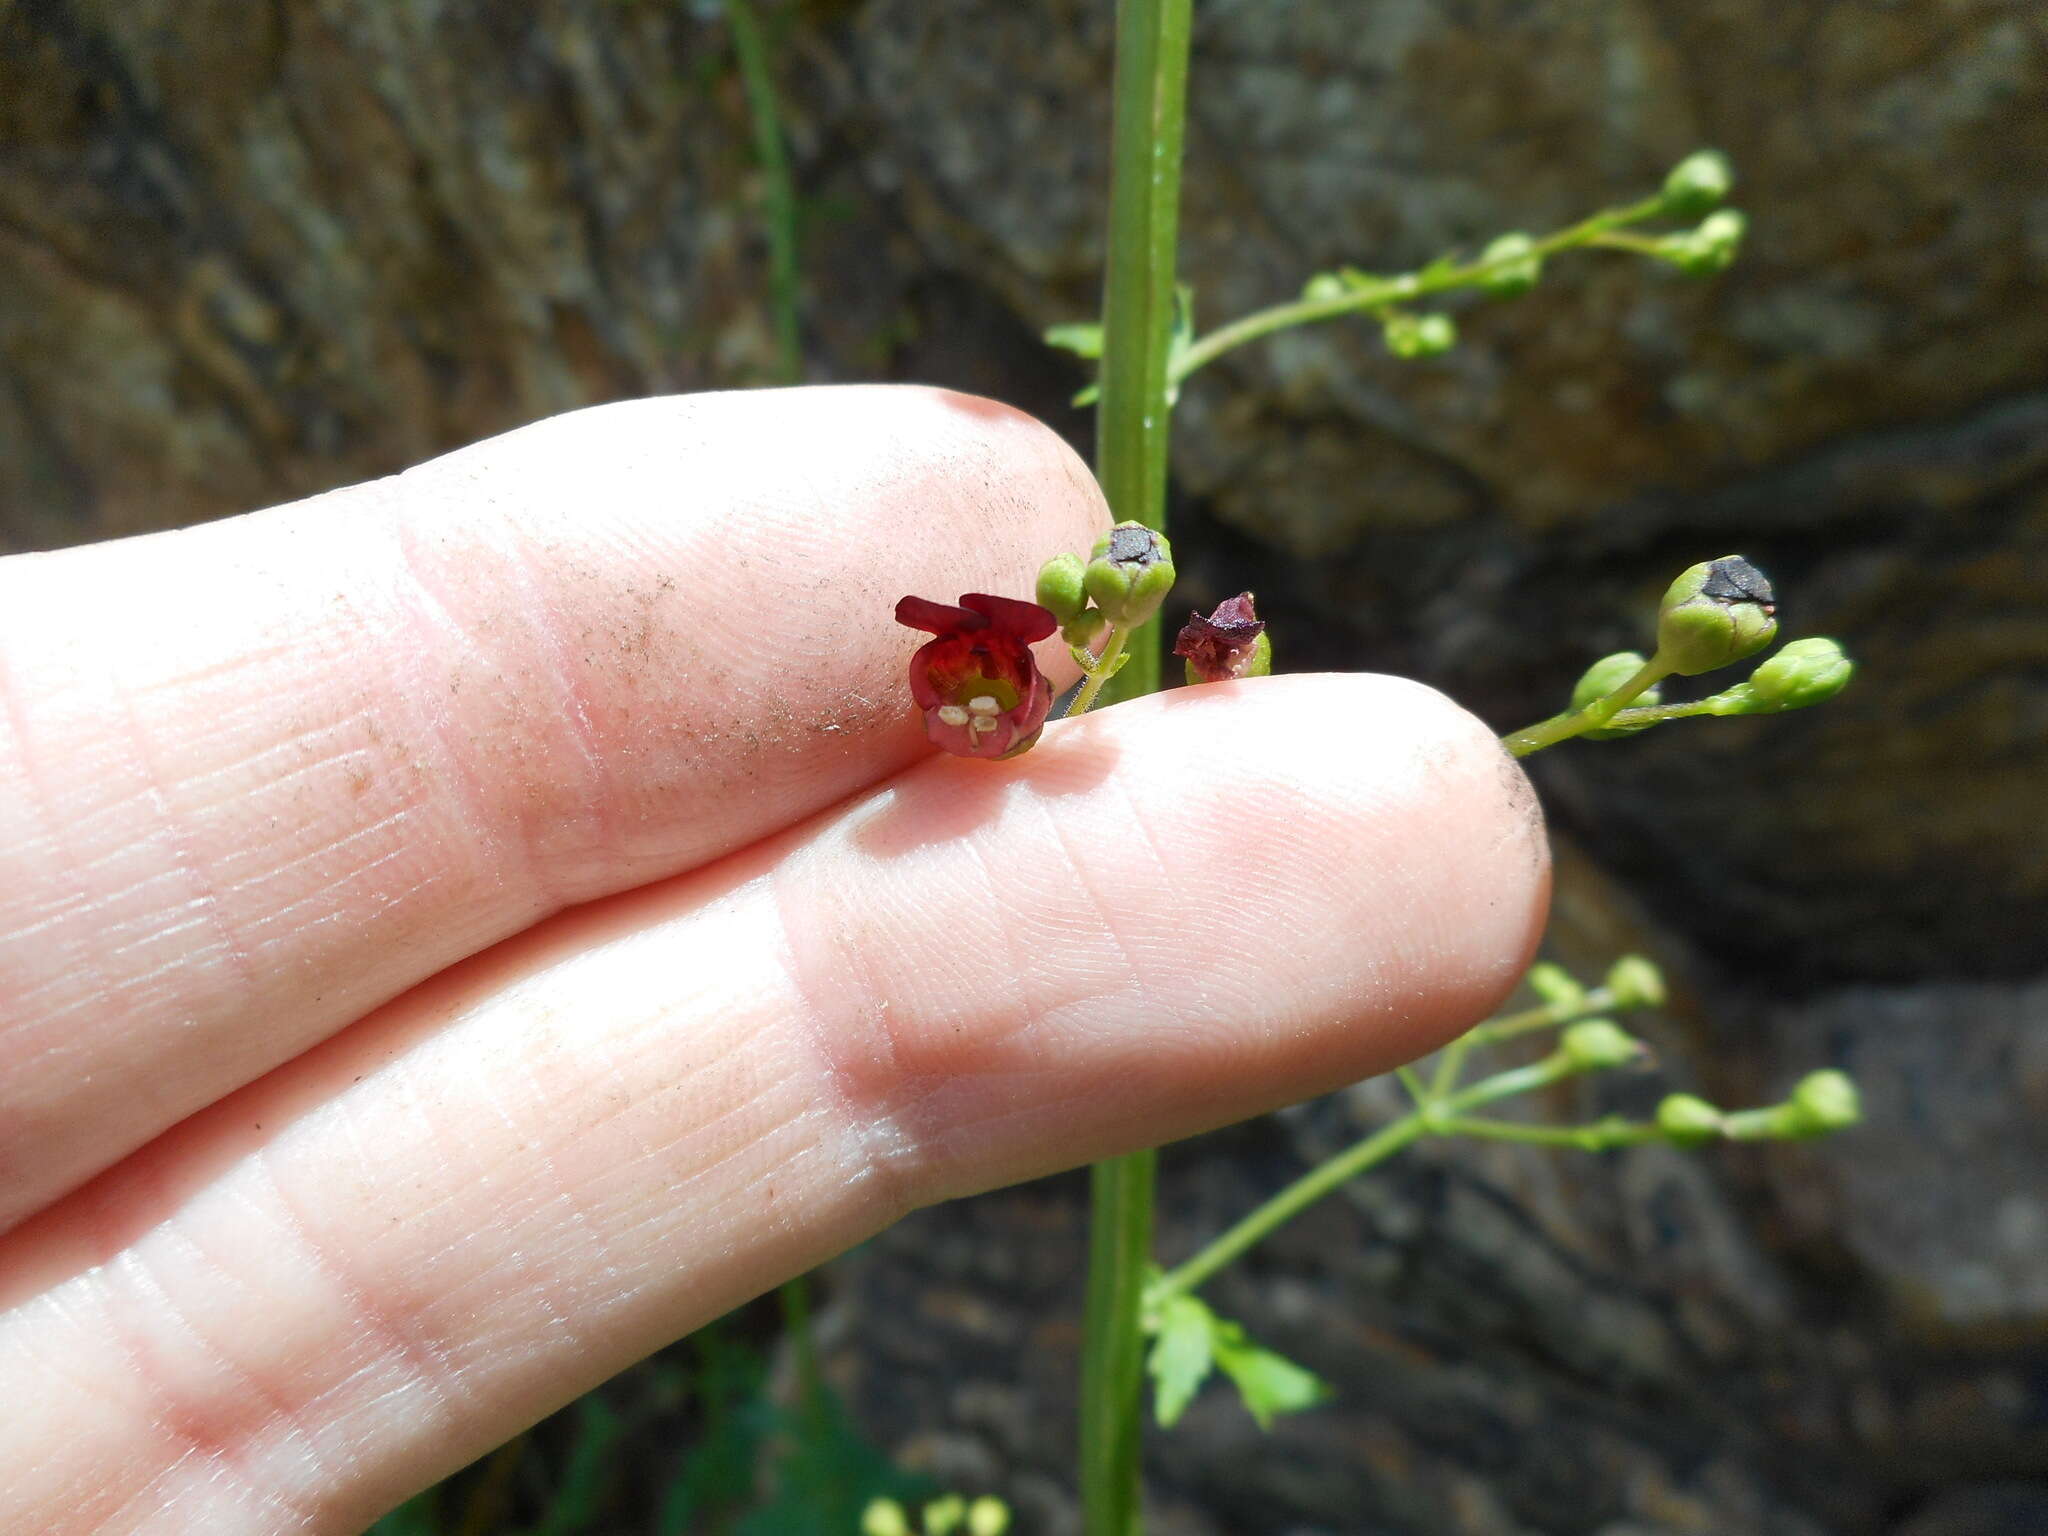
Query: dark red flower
column 977, row 683
column 1225, row 644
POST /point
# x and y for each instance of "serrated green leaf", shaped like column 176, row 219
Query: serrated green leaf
column 1182, row 1356
column 1083, row 338
column 1269, row 1384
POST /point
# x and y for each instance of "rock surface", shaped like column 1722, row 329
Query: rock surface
column 246, row 254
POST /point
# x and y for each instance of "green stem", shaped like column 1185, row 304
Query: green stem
column 1641, row 245
column 1132, row 420
column 1548, row 733
column 1436, row 1119
column 1597, row 1137
column 778, row 186
column 1765, row 1124
column 1139, row 302
column 1291, row 1202
column 1510, row 1026
column 1100, row 673
column 1727, row 703
column 796, row 1325
column 1401, row 290
column 1507, row 1027
column 1113, row 1357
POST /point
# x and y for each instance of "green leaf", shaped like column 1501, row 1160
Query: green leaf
column 1267, row 1382
column 1083, row 338
column 1089, row 395
column 1182, row 1356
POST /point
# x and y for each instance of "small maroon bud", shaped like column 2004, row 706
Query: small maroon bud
column 1231, row 642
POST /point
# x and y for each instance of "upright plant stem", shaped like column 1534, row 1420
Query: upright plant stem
column 1150, row 94
column 1138, row 304
column 778, row 187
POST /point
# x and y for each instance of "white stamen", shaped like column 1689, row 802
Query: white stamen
column 952, row 714
column 983, row 705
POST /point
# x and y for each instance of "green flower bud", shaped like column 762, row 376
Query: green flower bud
column 1593, row 1045
column 1520, row 270
column 1413, row 336
column 1822, row 1102
column 1601, row 679
column 1129, row 574
column 1086, row 630
column 1634, row 982
column 1061, row 588
column 988, row 1516
column 1711, row 248
column 1324, row 285
column 1687, row 1121
column 1698, row 184
column 941, row 1516
column 1804, row 672
column 1555, row 985
column 884, row 1517
column 1716, row 613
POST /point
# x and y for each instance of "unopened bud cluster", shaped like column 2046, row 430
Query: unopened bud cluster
column 946, row 1516
column 1413, row 336
column 1820, row 1104
column 1716, row 613
column 1122, row 583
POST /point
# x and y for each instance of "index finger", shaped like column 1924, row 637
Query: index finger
column 258, row 777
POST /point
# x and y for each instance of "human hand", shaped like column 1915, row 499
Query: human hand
column 461, row 932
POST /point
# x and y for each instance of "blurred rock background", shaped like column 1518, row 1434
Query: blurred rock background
column 252, row 252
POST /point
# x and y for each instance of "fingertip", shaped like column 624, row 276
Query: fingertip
column 1170, row 915
column 1354, row 815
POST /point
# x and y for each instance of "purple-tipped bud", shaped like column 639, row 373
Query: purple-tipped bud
column 1231, row 642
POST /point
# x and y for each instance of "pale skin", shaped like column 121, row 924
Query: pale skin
column 462, row 932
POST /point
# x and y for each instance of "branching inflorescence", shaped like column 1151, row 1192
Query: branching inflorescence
column 1714, row 615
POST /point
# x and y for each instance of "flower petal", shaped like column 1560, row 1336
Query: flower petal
column 938, row 618
column 1026, row 621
